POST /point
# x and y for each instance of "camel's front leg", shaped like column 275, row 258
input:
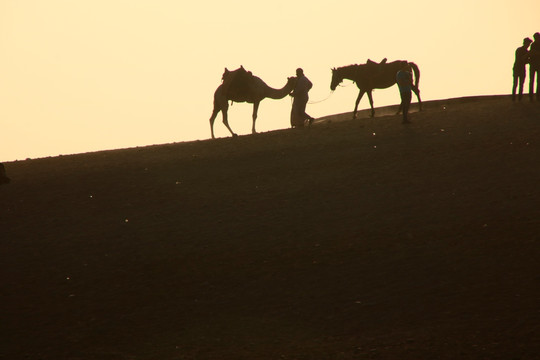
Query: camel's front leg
column 255, row 111
column 358, row 102
column 215, row 112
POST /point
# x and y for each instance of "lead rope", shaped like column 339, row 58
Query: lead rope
column 328, row 97
column 320, row 101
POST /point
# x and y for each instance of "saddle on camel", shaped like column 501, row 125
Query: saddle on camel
column 242, row 86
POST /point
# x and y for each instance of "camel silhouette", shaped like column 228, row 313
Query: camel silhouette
column 372, row 75
column 242, row 86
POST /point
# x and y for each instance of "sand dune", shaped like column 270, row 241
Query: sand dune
column 362, row 239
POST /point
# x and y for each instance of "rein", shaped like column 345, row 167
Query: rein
column 320, row 101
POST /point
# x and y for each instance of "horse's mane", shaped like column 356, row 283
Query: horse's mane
column 349, row 66
column 368, row 62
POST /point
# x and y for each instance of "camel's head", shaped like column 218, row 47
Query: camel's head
column 291, row 82
column 337, row 78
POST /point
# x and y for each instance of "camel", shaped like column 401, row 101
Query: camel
column 241, row 86
column 372, row 75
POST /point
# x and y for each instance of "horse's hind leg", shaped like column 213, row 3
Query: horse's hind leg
column 370, row 97
column 358, row 102
column 417, row 93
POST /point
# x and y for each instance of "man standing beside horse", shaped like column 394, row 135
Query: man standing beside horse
column 372, row 76
column 405, row 83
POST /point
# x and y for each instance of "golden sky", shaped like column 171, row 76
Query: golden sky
column 87, row 75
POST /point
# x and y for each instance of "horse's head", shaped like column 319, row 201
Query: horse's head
column 337, row 78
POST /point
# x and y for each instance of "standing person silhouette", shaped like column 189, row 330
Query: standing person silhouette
column 534, row 67
column 301, row 97
column 405, row 84
column 519, row 71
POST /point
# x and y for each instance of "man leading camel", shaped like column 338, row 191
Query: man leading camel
column 301, row 97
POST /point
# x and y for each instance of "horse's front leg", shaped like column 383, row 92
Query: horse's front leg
column 255, row 111
column 360, row 94
column 370, row 97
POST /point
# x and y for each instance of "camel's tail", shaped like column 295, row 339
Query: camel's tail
column 416, row 71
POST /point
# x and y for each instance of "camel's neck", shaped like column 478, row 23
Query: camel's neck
column 279, row 93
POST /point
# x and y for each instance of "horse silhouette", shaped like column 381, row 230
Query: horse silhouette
column 372, row 75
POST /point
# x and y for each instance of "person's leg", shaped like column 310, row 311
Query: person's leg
column 297, row 113
column 302, row 103
column 402, row 106
column 294, row 113
column 302, row 108
column 514, row 87
column 521, row 80
column 532, row 73
column 306, row 115
column 537, row 73
column 406, row 102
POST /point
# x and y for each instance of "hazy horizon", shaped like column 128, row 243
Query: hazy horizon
column 96, row 75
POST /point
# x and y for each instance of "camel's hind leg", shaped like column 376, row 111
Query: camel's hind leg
column 224, row 112
column 224, row 107
column 255, row 111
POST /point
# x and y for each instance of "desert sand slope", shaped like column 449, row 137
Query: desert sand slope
column 360, row 239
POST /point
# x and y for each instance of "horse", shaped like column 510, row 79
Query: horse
column 372, row 75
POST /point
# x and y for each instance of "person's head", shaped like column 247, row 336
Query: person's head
column 527, row 41
column 536, row 36
column 299, row 72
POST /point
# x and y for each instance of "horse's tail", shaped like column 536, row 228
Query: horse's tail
column 416, row 71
